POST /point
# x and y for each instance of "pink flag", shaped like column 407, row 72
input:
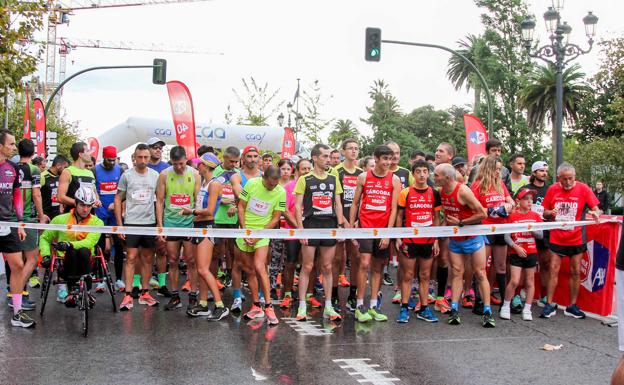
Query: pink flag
column 40, row 127
column 27, row 117
column 183, row 117
column 476, row 136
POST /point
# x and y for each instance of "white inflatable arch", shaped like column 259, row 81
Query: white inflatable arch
column 135, row 130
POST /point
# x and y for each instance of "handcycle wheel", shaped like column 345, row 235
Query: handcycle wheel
column 84, row 306
column 47, row 282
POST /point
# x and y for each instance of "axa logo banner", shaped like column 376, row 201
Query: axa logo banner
column 594, row 266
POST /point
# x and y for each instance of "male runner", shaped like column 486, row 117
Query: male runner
column 334, row 158
column 177, row 188
column 565, row 201
column 317, row 205
column 156, row 148
column 375, row 203
column 461, row 208
column 267, row 160
column 262, row 202
column 517, row 177
column 76, row 175
column 347, row 173
column 11, row 238
column 137, row 187
column 49, row 186
column 419, row 205
column 250, row 169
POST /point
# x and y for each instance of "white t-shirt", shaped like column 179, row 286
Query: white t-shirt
column 140, row 196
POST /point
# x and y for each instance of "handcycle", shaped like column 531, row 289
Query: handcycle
column 80, row 293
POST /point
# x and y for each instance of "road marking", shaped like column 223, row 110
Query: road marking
column 307, row 328
column 366, row 371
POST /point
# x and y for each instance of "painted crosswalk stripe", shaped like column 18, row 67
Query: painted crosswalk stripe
column 307, row 328
column 365, row 372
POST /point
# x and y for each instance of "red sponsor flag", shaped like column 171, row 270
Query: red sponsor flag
column 94, row 147
column 40, row 127
column 597, row 270
column 288, row 144
column 476, row 136
column 27, row 117
column 183, row 117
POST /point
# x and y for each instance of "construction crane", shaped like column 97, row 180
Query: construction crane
column 59, row 12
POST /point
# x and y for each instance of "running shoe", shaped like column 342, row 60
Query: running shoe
column 527, row 315
column 574, row 311
column 100, row 287
column 120, row 285
column 427, row 315
column 254, row 312
column 163, row 291
column 387, row 279
column 23, row 320
column 411, row 304
column 351, row 304
column 147, row 299
column 227, row 280
column 336, row 305
column 286, row 302
column 488, row 321
column 301, row 314
column 379, row 298
column 397, row 297
column 237, row 306
column 377, row 315
column 314, row 303
column 198, row 310
column 467, row 302
column 27, row 305
column 193, row 299
column 416, row 307
column 61, row 293
column 331, row 314
column 126, row 303
column 361, row 315
column 478, row 307
column 430, row 298
column 136, row 292
column 220, row 285
column 548, row 311
column 442, row 306
column 516, row 305
column 343, row 281
column 186, row 286
column 542, row 301
column 270, row 315
column 153, row 283
column 34, row 282
column 403, row 316
column 454, row 318
column 218, row 314
column 448, row 293
column 174, row 303
column 505, row 313
column 494, row 300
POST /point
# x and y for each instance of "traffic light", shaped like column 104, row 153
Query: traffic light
column 373, row 44
column 159, row 72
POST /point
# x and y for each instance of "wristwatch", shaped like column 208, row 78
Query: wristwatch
column 194, row 212
column 461, row 223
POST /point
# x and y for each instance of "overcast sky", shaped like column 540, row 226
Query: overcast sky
column 277, row 42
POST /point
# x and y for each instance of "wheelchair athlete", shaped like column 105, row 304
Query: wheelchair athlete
column 74, row 247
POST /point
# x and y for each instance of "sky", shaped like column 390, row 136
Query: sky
column 278, row 41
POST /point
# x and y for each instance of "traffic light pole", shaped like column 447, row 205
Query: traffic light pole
column 471, row 64
column 60, row 86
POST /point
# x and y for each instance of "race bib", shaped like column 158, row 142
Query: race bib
column 566, row 212
column 141, row 196
column 54, row 197
column 422, row 224
column 258, row 207
column 322, row 203
column 227, row 192
column 179, row 201
column 108, row 188
column 538, row 209
column 349, row 184
column 378, row 203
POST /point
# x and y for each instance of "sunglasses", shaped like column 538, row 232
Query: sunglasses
column 156, row 147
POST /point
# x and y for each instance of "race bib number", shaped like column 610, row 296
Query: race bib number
column 349, row 183
column 566, row 212
column 108, row 188
column 54, row 197
column 227, row 192
column 322, row 203
column 378, row 203
column 180, row 201
column 141, row 196
column 258, row 207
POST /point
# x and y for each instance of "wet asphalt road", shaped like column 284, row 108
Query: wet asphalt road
column 151, row 346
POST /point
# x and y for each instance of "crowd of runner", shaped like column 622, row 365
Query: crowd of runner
column 335, row 188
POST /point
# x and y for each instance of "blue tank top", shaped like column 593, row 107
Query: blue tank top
column 204, row 195
column 244, row 179
column 106, row 182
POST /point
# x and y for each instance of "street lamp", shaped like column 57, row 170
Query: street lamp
column 280, row 120
column 558, row 53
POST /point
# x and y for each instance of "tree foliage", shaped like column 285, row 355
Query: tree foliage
column 258, row 102
column 313, row 121
column 343, row 129
column 19, row 20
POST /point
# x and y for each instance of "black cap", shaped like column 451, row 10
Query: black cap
column 458, row 160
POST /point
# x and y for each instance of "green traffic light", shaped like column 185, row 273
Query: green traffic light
column 374, row 52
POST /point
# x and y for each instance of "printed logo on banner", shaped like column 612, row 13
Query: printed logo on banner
column 216, row 133
column 162, row 131
column 477, row 137
column 179, row 107
column 594, row 265
column 39, row 136
column 38, row 113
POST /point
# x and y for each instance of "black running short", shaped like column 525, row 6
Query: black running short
column 419, row 250
column 10, row 243
column 567, row 251
column 317, row 223
column 135, row 241
column 203, row 225
column 371, row 246
column 525, row 263
column 293, row 247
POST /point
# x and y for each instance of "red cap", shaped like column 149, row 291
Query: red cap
column 249, row 148
column 523, row 192
column 109, row 152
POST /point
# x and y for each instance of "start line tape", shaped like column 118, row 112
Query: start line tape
column 329, row 233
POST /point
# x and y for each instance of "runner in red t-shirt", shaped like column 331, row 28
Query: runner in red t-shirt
column 419, row 206
column 565, row 202
column 375, row 200
column 522, row 253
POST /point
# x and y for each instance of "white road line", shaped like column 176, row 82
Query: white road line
column 368, row 374
column 307, row 328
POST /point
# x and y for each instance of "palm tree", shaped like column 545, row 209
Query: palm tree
column 539, row 95
column 343, row 129
column 475, row 49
